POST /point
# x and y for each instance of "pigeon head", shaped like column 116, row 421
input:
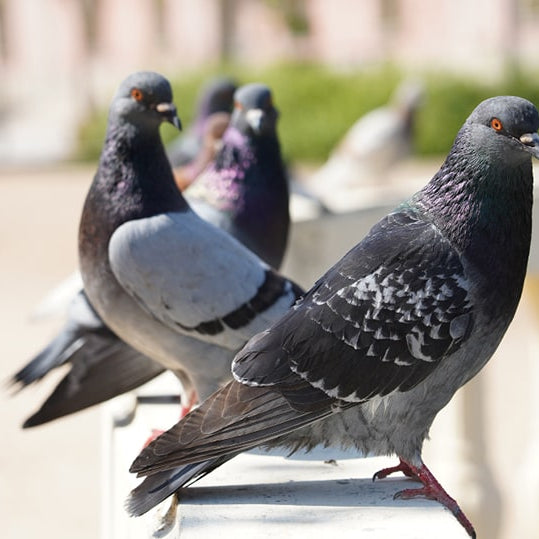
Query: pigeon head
column 506, row 128
column 254, row 112
column 144, row 99
column 218, row 96
column 483, row 193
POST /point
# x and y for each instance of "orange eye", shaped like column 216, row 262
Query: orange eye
column 496, row 124
column 136, row 94
column 238, row 105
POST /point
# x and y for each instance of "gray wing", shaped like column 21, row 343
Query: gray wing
column 197, row 279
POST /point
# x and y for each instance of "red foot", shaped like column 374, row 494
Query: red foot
column 401, row 467
column 431, row 489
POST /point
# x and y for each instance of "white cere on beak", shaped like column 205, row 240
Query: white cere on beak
column 164, row 108
column 530, row 139
column 254, row 119
column 531, row 142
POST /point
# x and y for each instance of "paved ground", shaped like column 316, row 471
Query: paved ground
column 49, row 476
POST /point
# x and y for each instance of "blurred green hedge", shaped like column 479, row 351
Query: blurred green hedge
column 318, row 104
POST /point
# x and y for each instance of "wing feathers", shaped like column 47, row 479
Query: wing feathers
column 233, row 419
column 162, row 262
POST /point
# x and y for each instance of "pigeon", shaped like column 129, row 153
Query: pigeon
column 102, row 365
column 381, row 342
column 363, row 158
column 59, row 299
column 216, row 97
column 98, row 357
column 170, row 284
column 214, row 128
column 245, row 190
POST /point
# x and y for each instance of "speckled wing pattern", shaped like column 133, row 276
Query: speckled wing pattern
column 381, row 319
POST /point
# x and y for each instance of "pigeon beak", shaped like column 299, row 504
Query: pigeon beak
column 169, row 114
column 531, row 143
column 254, row 118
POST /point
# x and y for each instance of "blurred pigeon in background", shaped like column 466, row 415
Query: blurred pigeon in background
column 172, row 285
column 374, row 144
column 245, row 190
column 102, row 365
column 214, row 128
column 216, row 97
column 58, row 300
column 383, row 340
column 97, row 356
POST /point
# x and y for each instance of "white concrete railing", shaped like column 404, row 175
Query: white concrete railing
column 261, row 495
column 484, row 446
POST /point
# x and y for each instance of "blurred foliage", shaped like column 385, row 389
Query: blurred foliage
column 294, row 13
column 450, row 100
column 318, row 104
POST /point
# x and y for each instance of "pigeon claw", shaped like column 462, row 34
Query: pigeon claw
column 401, row 467
column 431, row 489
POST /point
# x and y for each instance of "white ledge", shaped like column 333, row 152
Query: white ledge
column 260, row 495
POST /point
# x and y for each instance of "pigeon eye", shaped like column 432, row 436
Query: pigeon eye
column 137, row 94
column 496, row 124
column 238, row 105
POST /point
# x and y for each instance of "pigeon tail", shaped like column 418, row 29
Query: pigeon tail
column 102, row 367
column 158, row 487
column 53, row 355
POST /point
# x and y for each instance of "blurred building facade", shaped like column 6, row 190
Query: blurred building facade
column 72, row 34
column 59, row 56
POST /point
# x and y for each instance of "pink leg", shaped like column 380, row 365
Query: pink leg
column 431, row 489
column 184, row 410
column 154, row 434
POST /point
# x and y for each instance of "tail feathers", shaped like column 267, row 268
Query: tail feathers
column 83, row 329
column 102, row 368
column 158, row 487
column 54, row 355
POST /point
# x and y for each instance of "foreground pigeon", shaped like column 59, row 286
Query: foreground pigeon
column 247, row 198
column 383, row 340
column 245, row 190
column 170, row 284
column 216, row 97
